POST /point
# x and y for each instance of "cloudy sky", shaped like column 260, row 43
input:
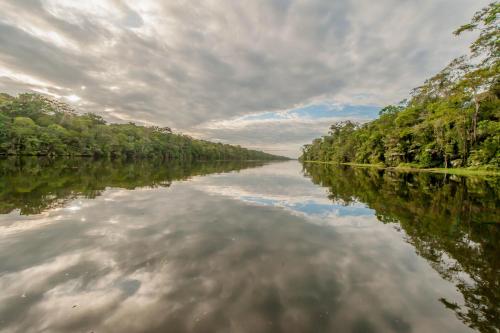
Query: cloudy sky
column 270, row 74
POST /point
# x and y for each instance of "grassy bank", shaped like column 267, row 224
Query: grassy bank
column 450, row 171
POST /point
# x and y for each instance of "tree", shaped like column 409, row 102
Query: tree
column 487, row 45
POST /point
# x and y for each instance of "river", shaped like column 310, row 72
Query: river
column 115, row 246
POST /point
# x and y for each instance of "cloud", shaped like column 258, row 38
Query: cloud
column 184, row 65
column 284, row 132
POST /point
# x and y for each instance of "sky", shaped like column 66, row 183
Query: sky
column 269, row 75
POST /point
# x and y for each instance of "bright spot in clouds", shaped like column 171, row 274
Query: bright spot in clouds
column 72, row 98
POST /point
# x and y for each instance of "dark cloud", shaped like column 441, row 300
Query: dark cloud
column 184, row 65
column 48, row 62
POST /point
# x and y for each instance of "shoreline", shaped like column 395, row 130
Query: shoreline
column 451, row 171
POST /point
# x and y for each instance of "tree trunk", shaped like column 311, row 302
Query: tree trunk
column 466, row 142
column 474, row 119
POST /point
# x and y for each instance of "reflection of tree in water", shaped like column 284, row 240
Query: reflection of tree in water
column 451, row 221
column 34, row 185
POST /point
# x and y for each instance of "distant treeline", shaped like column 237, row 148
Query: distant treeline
column 32, row 124
column 453, row 120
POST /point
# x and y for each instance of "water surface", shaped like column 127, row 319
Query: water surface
column 97, row 246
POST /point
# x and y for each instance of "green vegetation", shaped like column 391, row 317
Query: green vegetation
column 471, row 171
column 33, row 184
column 451, row 221
column 32, row 124
column 453, row 120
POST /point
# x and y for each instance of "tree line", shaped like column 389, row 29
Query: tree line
column 33, row 124
column 452, row 120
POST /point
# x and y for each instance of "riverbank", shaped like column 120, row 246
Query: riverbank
column 450, row 171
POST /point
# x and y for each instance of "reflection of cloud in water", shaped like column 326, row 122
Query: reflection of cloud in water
column 314, row 208
column 282, row 185
column 180, row 260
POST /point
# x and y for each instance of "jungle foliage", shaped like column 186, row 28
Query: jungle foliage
column 32, row 124
column 453, row 120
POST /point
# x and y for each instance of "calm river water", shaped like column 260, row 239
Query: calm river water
column 97, row 246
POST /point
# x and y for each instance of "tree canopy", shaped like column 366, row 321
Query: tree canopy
column 32, row 124
column 452, row 120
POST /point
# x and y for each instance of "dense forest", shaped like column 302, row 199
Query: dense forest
column 453, row 120
column 33, row 124
column 451, row 221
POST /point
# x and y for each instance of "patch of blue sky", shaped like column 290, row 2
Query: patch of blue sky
column 367, row 111
column 319, row 111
